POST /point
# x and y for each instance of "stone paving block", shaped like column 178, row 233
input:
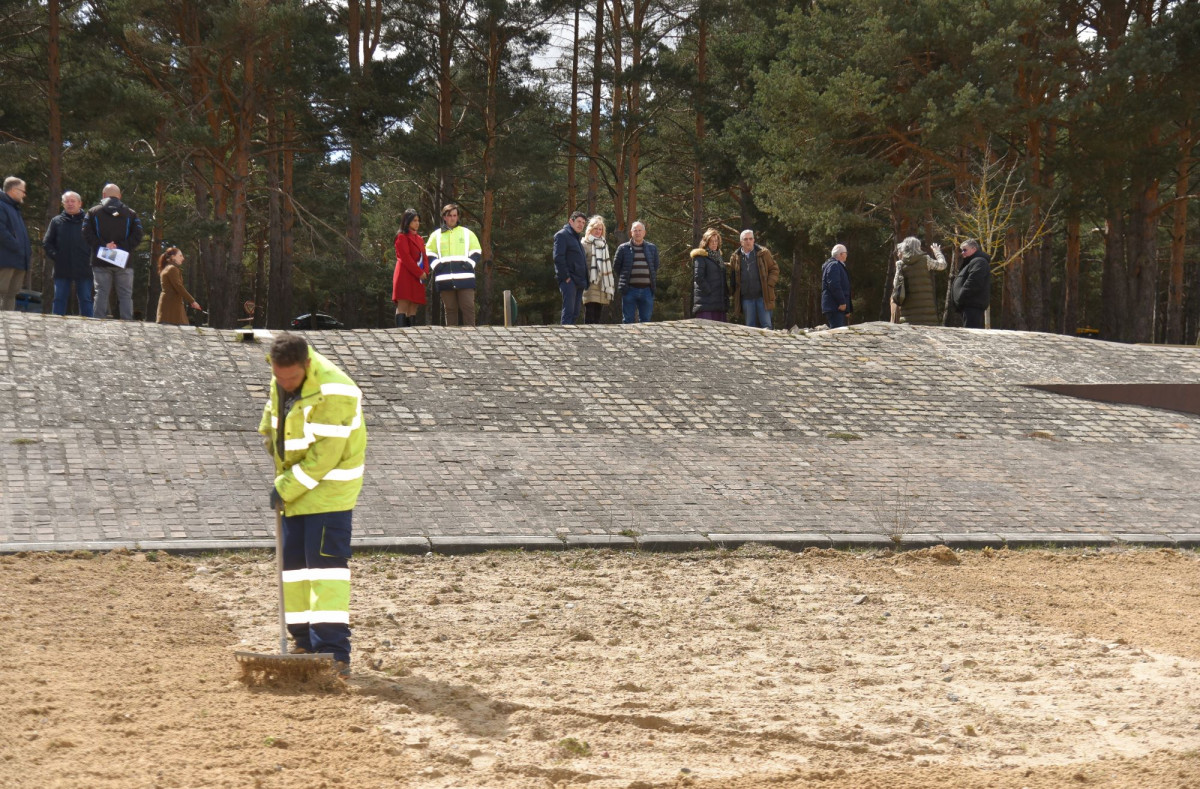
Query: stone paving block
column 1187, row 539
column 600, row 541
column 788, row 541
column 479, row 543
column 673, row 542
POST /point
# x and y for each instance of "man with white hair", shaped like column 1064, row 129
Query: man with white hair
column 65, row 245
column 836, row 300
column 112, row 225
column 635, row 268
column 755, row 273
column 15, row 251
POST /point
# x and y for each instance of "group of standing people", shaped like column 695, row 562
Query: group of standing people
column 90, row 251
column 449, row 256
column 589, row 278
column 912, row 287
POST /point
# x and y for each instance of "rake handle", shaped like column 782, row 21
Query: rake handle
column 283, row 650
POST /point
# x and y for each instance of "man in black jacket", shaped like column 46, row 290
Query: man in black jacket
column 65, row 245
column 112, row 225
column 972, row 291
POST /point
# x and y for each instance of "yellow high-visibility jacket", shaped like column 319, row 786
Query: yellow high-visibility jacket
column 325, row 441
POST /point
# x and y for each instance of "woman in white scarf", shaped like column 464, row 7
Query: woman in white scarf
column 601, row 288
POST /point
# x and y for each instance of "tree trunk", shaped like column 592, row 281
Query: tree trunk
column 618, row 124
column 593, row 194
column 698, row 101
column 1071, row 281
column 1143, row 265
column 55, row 158
column 495, row 56
column 573, row 133
column 633, row 126
column 1114, row 284
column 1175, row 322
column 445, row 95
column 153, row 283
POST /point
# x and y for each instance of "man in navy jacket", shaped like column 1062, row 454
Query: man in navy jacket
column 15, row 251
column 835, row 289
column 570, row 267
column 65, row 245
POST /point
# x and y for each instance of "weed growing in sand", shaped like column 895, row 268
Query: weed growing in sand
column 20, row 442
column 571, row 748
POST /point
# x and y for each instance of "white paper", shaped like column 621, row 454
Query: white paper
column 118, row 257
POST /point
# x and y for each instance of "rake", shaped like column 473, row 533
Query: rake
column 258, row 669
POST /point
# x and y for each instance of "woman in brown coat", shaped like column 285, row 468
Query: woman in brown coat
column 174, row 295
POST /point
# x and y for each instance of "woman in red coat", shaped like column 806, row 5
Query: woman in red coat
column 412, row 268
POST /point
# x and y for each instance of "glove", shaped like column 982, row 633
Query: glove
column 276, row 499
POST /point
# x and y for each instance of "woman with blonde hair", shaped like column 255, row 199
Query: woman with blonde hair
column 601, row 288
column 174, row 295
column 710, row 277
column 912, row 288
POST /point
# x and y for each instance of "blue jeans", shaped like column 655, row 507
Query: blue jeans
column 572, row 302
column 636, row 305
column 83, row 292
column 835, row 319
column 756, row 313
column 320, row 541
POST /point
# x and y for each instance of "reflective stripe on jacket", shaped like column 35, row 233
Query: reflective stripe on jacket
column 453, row 254
column 325, row 441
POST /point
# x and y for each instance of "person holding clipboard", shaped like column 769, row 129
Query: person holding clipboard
column 112, row 230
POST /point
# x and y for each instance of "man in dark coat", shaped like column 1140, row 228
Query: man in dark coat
column 15, row 251
column 836, row 297
column 112, row 225
column 570, row 267
column 65, row 245
column 972, row 291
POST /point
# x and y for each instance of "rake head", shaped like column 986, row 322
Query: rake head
column 259, row 669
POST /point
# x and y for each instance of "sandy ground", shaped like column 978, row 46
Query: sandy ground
column 740, row 670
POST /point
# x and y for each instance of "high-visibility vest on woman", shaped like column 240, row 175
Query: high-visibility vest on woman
column 325, row 441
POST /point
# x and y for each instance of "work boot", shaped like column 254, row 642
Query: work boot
column 299, row 651
column 342, row 669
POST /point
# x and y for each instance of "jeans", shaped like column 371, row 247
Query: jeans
column 106, row 278
column 572, row 302
column 83, row 292
column 636, row 305
column 835, row 320
column 972, row 318
column 317, row 604
column 756, row 313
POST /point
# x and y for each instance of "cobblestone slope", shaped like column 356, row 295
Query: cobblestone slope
column 672, row 433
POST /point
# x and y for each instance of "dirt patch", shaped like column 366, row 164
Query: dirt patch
column 741, row 670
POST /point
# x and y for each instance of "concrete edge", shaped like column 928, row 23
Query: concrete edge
column 792, row 541
column 788, row 541
column 673, row 543
column 479, row 544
